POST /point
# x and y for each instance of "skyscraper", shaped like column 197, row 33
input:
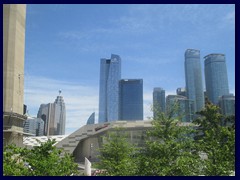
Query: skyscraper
column 159, row 103
column 34, row 126
column 131, row 99
column 180, row 107
column 215, row 77
column 193, row 77
column 110, row 74
column 44, row 112
column 14, row 19
column 60, row 116
column 54, row 116
column 227, row 104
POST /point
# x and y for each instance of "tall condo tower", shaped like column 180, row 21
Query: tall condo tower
column 227, row 104
column 14, row 17
column 193, row 78
column 110, row 74
column 159, row 102
column 180, row 106
column 131, row 99
column 215, row 77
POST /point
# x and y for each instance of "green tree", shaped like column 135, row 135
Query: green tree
column 216, row 138
column 45, row 160
column 170, row 149
column 13, row 161
column 116, row 155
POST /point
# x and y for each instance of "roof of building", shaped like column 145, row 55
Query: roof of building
column 33, row 141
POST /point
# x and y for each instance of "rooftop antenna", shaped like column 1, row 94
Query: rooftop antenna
column 60, row 91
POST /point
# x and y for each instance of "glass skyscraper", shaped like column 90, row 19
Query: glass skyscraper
column 34, row 126
column 193, row 77
column 215, row 77
column 159, row 103
column 110, row 74
column 180, row 107
column 227, row 104
column 131, row 99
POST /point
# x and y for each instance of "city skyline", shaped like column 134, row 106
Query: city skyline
column 63, row 50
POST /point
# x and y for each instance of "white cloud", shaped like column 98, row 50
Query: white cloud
column 147, row 105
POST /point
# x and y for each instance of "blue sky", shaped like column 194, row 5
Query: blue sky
column 64, row 44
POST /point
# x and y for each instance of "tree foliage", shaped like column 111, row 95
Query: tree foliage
column 216, row 138
column 116, row 155
column 174, row 149
column 170, row 149
column 45, row 160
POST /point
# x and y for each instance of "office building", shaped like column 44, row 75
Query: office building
column 54, row 116
column 227, row 104
column 159, row 102
column 34, row 126
column 14, row 19
column 110, row 74
column 131, row 99
column 44, row 114
column 215, row 77
column 193, row 77
column 60, row 116
column 180, row 107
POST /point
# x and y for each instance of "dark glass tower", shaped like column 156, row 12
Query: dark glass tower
column 215, row 77
column 110, row 74
column 193, row 77
column 131, row 99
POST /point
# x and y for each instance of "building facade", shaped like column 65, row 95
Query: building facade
column 14, row 19
column 216, row 78
column 193, row 78
column 180, row 107
column 227, row 104
column 34, row 126
column 110, row 74
column 43, row 113
column 159, row 101
column 131, row 99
